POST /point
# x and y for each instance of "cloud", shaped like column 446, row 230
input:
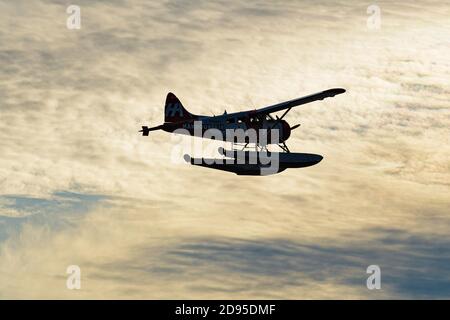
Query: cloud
column 71, row 103
column 61, row 210
column 267, row 267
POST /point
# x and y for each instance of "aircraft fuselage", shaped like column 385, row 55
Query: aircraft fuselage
column 228, row 127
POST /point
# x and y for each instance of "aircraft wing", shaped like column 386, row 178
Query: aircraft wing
column 299, row 101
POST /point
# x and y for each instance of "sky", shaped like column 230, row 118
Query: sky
column 79, row 185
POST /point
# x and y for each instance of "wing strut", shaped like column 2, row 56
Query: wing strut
column 281, row 118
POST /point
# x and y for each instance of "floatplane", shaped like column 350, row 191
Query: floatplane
column 253, row 130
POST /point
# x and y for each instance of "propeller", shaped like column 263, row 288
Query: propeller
column 296, row 126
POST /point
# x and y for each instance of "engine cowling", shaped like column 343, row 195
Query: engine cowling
column 284, row 131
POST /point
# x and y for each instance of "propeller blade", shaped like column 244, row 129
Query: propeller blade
column 296, row 126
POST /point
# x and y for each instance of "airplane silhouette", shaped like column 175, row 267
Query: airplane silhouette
column 235, row 128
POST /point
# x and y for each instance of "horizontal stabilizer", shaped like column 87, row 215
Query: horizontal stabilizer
column 145, row 130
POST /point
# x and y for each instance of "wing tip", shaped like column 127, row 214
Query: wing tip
column 336, row 91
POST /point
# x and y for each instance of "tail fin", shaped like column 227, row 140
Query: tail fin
column 174, row 110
